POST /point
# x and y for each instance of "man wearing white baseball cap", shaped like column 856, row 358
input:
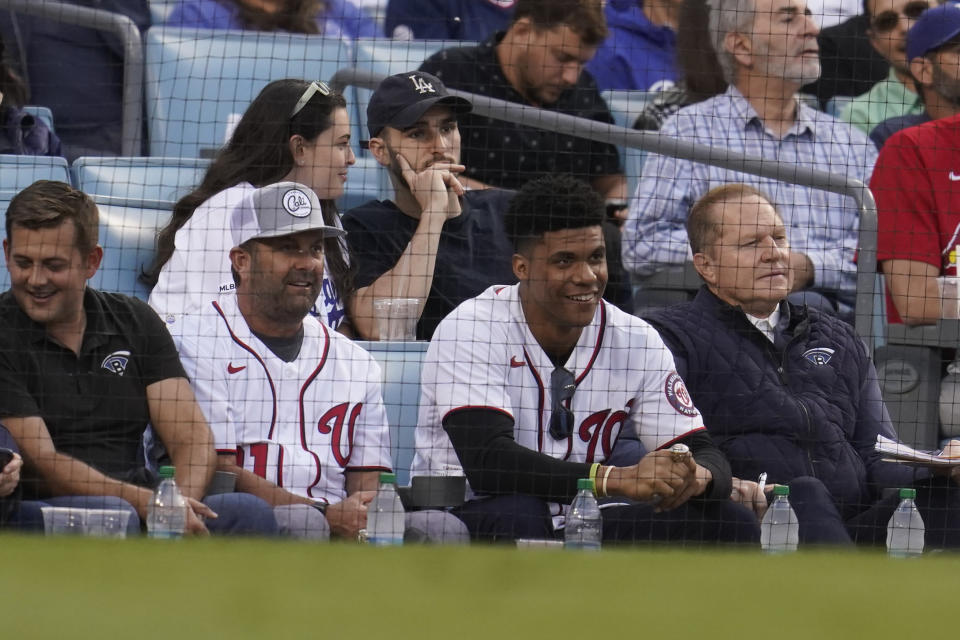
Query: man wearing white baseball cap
column 295, row 408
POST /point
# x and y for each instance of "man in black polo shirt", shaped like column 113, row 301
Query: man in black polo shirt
column 83, row 372
column 539, row 62
column 435, row 241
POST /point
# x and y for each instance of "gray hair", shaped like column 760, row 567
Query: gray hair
column 729, row 16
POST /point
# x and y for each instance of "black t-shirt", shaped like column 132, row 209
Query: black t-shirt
column 95, row 404
column 505, row 154
column 474, row 251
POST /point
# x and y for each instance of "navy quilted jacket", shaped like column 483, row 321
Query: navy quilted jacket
column 807, row 404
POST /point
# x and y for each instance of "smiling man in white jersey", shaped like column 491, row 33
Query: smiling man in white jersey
column 528, row 388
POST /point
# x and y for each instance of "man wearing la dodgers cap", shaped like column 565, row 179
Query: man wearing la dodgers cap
column 932, row 45
column 435, row 240
column 295, row 408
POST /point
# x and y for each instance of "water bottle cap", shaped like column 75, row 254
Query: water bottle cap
column 906, row 494
column 390, row 478
column 585, row 483
column 167, row 471
column 781, row 490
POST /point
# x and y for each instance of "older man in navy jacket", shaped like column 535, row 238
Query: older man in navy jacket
column 787, row 390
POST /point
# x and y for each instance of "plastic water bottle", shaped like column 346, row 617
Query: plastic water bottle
column 584, row 527
column 905, row 529
column 779, row 529
column 167, row 513
column 385, row 516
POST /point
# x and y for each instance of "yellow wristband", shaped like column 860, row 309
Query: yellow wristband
column 593, row 475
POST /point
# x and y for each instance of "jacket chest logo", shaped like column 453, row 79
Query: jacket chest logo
column 819, row 356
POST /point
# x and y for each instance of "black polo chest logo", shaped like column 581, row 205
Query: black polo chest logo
column 116, row 362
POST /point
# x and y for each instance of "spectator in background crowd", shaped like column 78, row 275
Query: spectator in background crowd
column 435, row 242
column 767, row 54
column 700, row 74
column 261, row 367
column 528, row 388
column 77, row 72
column 539, row 62
column 23, row 134
column 785, row 389
column 329, row 18
column 293, row 130
column 933, row 44
column 639, row 51
column 894, row 96
column 471, row 20
column 9, row 480
column 849, row 64
column 83, row 373
column 918, row 214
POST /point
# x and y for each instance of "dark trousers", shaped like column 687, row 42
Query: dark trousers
column 821, row 522
column 507, row 518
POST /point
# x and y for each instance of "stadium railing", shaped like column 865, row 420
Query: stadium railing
column 122, row 27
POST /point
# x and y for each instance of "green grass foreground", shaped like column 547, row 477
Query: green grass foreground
column 87, row 588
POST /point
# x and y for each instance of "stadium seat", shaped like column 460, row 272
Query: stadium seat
column 160, row 10
column 909, row 378
column 401, row 363
column 18, row 172
column 626, row 106
column 146, row 179
column 41, row 113
column 128, row 232
column 366, row 181
column 390, row 57
column 200, row 81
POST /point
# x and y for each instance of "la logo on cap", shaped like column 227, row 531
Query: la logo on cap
column 296, row 203
column 421, row 85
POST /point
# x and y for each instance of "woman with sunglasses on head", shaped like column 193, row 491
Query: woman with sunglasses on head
column 294, row 131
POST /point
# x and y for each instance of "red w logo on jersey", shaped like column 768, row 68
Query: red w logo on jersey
column 338, row 417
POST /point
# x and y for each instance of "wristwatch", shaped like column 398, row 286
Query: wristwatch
column 321, row 506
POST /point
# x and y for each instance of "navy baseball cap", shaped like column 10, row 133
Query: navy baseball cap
column 402, row 99
column 933, row 29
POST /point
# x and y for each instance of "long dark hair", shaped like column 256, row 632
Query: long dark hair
column 259, row 153
column 14, row 90
column 296, row 16
column 696, row 59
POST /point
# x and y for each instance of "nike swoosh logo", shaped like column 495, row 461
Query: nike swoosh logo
column 516, row 363
column 233, row 369
column 954, row 177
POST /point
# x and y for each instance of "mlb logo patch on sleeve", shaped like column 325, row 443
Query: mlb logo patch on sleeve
column 678, row 396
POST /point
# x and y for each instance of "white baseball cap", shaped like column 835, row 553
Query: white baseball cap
column 282, row 209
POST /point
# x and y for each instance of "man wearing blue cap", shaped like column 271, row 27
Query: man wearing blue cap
column 435, row 240
column 932, row 45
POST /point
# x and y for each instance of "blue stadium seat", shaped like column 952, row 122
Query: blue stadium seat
column 147, row 179
column 626, row 106
column 401, row 363
column 366, row 181
column 128, row 232
column 160, row 10
column 200, row 80
column 41, row 113
column 390, row 57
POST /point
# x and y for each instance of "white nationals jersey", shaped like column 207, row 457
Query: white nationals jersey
column 483, row 356
column 199, row 269
column 298, row 424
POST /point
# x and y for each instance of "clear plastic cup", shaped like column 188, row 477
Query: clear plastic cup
column 396, row 318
